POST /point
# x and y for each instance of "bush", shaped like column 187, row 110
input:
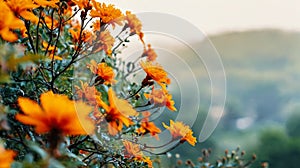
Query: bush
column 68, row 99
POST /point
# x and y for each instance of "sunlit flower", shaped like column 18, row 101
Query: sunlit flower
column 6, row 157
column 75, row 35
column 45, row 3
column 150, row 53
column 104, row 72
column 155, row 72
column 24, row 32
column 51, row 51
column 147, row 126
column 161, row 98
column 117, row 113
column 180, row 130
column 104, row 42
column 189, row 138
column 86, row 36
column 148, row 161
column 83, row 4
column 87, row 93
column 68, row 11
column 49, row 22
column 133, row 23
column 107, row 13
column 83, row 152
column 56, row 113
column 9, row 23
column 97, row 25
column 132, row 150
column 23, row 8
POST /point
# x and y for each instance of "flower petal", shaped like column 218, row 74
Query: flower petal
column 29, row 107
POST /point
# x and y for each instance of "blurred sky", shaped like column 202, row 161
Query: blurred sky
column 215, row 16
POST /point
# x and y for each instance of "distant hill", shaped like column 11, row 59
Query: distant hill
column 263, row 85
column 262, row 69
column 261, row 55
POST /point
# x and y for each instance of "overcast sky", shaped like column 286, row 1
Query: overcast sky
column 214, row 16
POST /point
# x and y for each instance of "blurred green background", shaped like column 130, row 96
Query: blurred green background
column 262, row 113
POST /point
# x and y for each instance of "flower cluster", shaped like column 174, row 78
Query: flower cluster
column 69, row 98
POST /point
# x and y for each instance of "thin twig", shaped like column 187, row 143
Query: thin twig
column 37, row 31
column 27, row 25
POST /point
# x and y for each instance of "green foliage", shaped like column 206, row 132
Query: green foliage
column 278, row 149
column 293, row 125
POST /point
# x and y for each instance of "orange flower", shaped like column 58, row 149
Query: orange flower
column 83, row 152
column 180, row 130
column 148, row 127
column 68, row 12
column 189, row 138
column 6, row 157
column 132, row 150
column 161, row 98
column 9, row 23
column 87, row 93
column 82, row 4
column 45, row 3
column 24, row 32
column 104, row 72
column 48, row 21
column 51, row 51
column 97, row 25
column 23, row 8
column 75, row 35
column 107, row 13
column 148, row 161
column 86, row 36
column 150, row 53
column 133, row 23
column 58, row 113
column 155, row 72
column 117, row 113
column 104, row 42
